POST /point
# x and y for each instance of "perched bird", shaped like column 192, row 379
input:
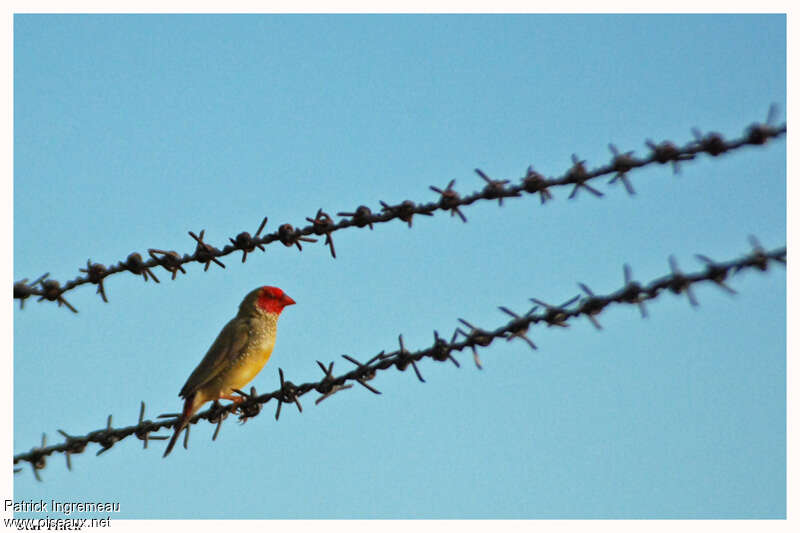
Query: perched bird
column 239, row 353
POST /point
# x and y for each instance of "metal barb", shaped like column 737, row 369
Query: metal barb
column 450, row 200
column 591, row 306
column 494, row 188
column 556, row 315
column 405, row 211
column 632, row 291
column 170, row 260
column 716, row 272
column 23, row 290
column 291, row 237
column 51, row 290
column 95, row 272
column 712, row 143
column 136, row 265
column 680, row 283
column 204, row 253
column 622, row 163
column 248, row 244
column 323, row 225
column 761, row 133
column 579, row 175
column 533, row 182
column 362, row 216
column 518, row 327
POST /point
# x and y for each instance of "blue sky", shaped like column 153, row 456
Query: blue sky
column 130, row 131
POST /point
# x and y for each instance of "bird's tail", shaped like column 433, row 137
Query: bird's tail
column 190, row 406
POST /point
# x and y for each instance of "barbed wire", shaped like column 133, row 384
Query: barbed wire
column 589, row 305
column 322, row 224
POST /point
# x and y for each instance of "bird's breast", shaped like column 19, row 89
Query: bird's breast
column 248, row 365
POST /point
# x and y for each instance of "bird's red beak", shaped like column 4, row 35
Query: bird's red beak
column 287, row 300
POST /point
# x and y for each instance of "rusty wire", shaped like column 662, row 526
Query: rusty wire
column 322, row 223
column 590, row 305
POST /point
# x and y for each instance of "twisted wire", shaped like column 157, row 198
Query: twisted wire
column 322, row 224
column 442, row 350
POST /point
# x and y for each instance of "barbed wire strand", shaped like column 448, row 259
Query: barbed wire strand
column 590, row 305
column 322, row 224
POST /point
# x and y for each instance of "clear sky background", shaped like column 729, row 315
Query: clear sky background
column 131, row 130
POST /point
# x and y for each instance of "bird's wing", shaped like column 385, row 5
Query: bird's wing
column 229, row 344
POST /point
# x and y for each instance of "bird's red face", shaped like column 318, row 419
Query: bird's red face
column 273, row 300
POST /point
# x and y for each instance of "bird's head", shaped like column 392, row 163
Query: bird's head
column 266, row 299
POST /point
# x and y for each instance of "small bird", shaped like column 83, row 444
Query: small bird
column 239, row 353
